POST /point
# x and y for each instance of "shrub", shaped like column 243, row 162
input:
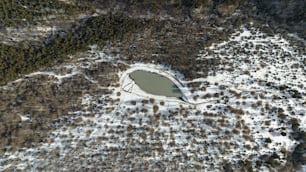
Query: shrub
column 144, row 102
column 133, row 102
column 295, row 124
column 144, row 110
column 155, row 109
column 151, row 100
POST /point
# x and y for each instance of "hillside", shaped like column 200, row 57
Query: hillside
column 67, row 101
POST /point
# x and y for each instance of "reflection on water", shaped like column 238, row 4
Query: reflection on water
column 154, row 83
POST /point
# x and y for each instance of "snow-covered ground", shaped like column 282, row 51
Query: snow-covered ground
column 238, row 115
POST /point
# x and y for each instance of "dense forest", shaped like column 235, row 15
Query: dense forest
column 17, row 61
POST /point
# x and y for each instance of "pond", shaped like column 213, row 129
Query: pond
column 154, row 83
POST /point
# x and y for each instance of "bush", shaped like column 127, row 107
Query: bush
column 155, row 109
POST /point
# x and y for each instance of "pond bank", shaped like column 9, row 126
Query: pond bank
column 128, row 84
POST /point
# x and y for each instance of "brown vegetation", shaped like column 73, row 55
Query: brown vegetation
column 155, row 109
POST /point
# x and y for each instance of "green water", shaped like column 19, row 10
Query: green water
column 154, row 83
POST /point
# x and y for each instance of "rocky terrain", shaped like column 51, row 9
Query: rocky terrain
column 243, row 74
